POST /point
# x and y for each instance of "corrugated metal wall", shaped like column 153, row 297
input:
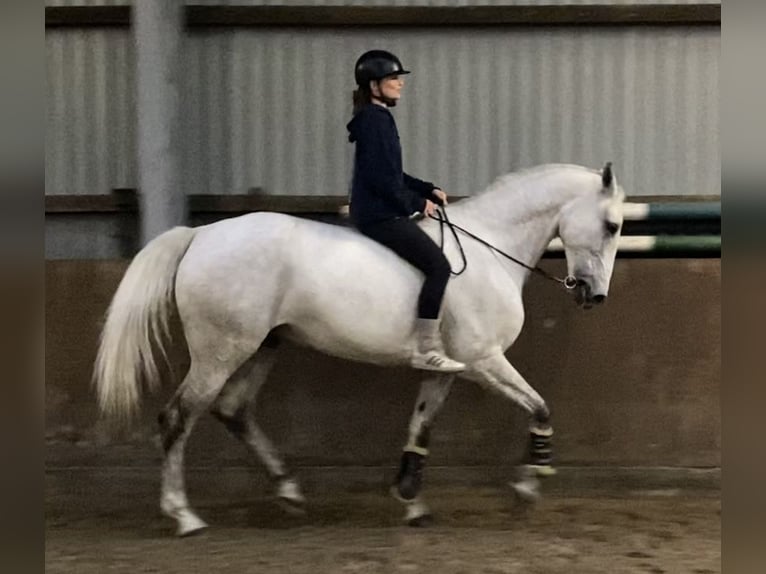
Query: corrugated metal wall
column 267, row 108
column 90, row 141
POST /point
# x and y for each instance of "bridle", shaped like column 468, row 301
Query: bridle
column 569, row 282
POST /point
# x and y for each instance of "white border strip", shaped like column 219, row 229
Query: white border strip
column 630, row 243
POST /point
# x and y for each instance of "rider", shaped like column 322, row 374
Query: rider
column 385, row 201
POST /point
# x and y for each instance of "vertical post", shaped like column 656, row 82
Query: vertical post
column 157, row 29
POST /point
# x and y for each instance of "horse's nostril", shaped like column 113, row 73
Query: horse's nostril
column 599, row 298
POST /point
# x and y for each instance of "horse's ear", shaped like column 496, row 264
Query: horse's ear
column 607, row 178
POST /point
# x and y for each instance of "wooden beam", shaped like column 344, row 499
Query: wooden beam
column 87, row 16
column 432, row 16
column 123, row 201
column 328, row 204
column 203, row 16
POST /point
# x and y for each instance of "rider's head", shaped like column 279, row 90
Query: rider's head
column 378, row 78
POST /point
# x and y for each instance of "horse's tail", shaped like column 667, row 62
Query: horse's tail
column 137, row 316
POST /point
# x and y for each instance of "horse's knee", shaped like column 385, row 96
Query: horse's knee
column 423, row 438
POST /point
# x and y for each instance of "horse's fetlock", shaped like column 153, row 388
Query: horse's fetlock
column 540, row 446
column 409, row 478
column 542, row 415
column 173, row 502
column 424, row 437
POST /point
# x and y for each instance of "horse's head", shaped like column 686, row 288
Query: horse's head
column 589, row 228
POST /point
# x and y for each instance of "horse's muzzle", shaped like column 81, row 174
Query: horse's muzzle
column 584, row 296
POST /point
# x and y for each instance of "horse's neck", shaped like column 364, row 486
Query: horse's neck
column 520, row 217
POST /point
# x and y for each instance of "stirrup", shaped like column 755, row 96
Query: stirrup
column 434, row 361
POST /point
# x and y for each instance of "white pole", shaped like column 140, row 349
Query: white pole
column 158, row 29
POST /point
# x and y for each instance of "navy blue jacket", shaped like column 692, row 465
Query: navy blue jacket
column 380, row 189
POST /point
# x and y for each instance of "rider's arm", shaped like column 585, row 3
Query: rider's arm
column 424, row 189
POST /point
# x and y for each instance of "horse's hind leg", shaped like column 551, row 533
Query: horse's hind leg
column 202, row 384
column 234, row 408
column 433, row 392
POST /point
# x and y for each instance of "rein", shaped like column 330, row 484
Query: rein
column 568, row 282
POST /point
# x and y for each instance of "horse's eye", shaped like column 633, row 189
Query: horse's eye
column 612, row 228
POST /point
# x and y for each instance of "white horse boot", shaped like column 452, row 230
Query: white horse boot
column 429, row 351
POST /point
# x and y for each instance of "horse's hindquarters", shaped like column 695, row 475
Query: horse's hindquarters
column 329, row 287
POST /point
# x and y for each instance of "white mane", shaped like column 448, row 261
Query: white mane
column 512, row 182
column 528, row 192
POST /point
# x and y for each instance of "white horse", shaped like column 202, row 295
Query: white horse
column 242, row 284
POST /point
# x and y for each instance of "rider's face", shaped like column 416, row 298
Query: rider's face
column 389, row 87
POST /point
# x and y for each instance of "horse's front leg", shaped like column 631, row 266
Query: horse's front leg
column 498, row 375
column 406, row 488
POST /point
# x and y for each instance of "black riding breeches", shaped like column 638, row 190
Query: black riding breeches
column 406, row 239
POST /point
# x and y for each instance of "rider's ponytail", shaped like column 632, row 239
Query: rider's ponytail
column 362, row 97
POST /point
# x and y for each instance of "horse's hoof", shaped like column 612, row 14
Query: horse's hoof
column 290, row 497
column 422, row 521
column 542, row 470
column 191, row 526
column 292, row 506
column 525, row 494
column 188, row 522
column 527, row 490
column 418, row 514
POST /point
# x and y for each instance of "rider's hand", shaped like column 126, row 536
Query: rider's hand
column 430, row 208
column 441, row 195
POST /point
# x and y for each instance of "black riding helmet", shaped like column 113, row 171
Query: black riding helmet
column 376, row 65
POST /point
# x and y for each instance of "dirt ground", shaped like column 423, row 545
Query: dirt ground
column 108, row 521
